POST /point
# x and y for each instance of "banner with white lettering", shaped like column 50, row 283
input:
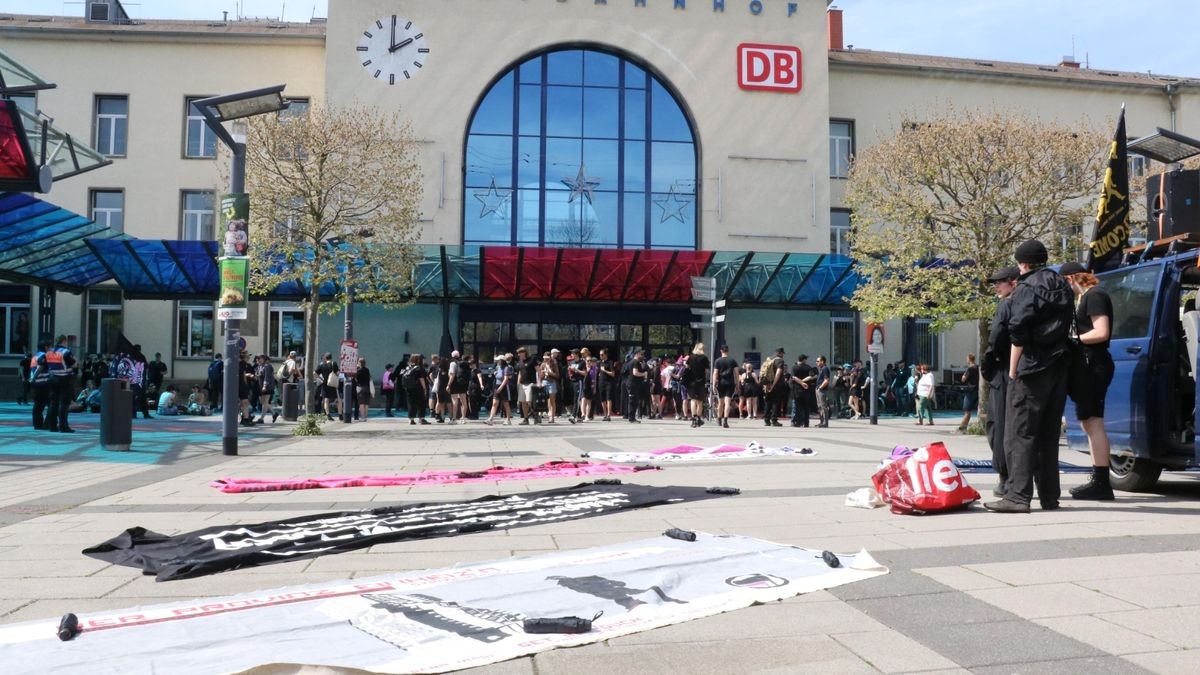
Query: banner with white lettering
column 230, row 547
column 441, row 620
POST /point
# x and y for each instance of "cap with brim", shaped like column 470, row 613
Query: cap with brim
column 1004, row 274
column 1071, row 268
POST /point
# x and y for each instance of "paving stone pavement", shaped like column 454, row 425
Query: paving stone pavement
column 1091, row 588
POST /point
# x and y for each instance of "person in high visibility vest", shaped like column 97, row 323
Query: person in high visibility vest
column 61, row 366
column 40, row 378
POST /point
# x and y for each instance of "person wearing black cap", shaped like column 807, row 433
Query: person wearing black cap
column 774, row 390
column 1039, row 325
column 1091, row 373
column 994, row 369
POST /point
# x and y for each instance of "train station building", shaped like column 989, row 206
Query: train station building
column 581, row 161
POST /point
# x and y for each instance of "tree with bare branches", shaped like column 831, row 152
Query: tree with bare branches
column 942, row 203
column 336, row 196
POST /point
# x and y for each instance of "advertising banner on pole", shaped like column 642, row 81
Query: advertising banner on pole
column 235, row 275
column 235, row 218
column 348, row 357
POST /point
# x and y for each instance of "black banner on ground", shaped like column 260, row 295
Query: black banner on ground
column 222, row 548
column 1112, row 215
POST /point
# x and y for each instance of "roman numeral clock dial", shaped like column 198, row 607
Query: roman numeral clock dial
column 392, row 49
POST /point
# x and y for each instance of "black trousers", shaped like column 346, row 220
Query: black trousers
column 416, row 403
column 773, row 400
column 636, row 395
column 1032, row 426
column 60, row 403
column 41, row 396
column 997, row 405
column 800, row 410
column 389, row 401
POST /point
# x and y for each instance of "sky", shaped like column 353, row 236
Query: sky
column 1132, row 35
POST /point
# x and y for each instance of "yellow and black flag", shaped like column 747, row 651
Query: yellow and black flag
column 1112, row 216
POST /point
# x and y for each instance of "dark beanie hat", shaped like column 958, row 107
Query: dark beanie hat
column 1032, row 252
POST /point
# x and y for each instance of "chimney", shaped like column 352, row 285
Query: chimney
column 834, row 21
column 1069, row 62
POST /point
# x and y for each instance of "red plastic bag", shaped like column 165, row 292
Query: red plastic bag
column 925, row 482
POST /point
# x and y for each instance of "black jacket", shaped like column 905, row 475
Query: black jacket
column 995, row 359
column 1040, row 313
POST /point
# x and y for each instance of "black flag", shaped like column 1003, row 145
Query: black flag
column 1112, row 215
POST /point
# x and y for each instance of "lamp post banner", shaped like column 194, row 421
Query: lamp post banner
column 348, row 357
column 235, row 273
column 235, row 219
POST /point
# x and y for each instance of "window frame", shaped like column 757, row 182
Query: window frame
column 205, row 132
column 100, row 309
column 191, row 307
column 922, row 325
column 184, row 213
column 850, row 148
column 93, row 209
column 275, row 313
column 848, row 322
column 8, row 307
column 836, row 240
column 97, row 116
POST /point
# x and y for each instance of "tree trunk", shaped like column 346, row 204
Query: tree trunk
column 310, row 353
column 984, row 327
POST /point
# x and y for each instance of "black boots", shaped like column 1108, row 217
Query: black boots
column 1098, row 486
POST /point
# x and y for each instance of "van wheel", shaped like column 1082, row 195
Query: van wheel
column 1133, row 474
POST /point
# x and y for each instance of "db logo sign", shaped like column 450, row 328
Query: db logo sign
column 769, row 67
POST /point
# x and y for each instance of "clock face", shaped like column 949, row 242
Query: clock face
column 392, row 49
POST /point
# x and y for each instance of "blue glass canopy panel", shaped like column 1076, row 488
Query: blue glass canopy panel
column 43, row 244
column 755, row 277
column 825, row 280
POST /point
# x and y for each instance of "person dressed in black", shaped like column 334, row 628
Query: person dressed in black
column 606, row 384
column 823, row 387
column 40, row 379
column 970, row 378
column 994, row 369
column 724, row 382
column 696, row 381
column 1091, row 374
column 415, row 381
column 638, row 371
column 801, row 381
column 527, row 381
column 1039, row 325
column 775, row 390
column 327, row 393
column 26, row 373
column 138, row 383
column 158, row 370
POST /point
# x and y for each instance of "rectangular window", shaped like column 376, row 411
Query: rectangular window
column 841, row 147
column 103, row 320
column 195, row 334
column 839, row 232
column 297, row 107
column 26, row 102
column 108, row 208
column 927, row 343
column 199, row 142
column 197, row 215
column 112, row 125
column 16, row 319
column 286, row 330
column 843, row 336
column 1132, row 294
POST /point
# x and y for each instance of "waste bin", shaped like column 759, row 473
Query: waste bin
column 116, row 414
column 291, row 401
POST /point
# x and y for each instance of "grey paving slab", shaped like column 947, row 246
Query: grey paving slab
column 890, row 652
column 1006, row 643
column 1093, row 665
column 1046, row 600
column 1179, row 626
column 920, row 611
column 1104, row 635
column 1185, row 662
column 899, row 583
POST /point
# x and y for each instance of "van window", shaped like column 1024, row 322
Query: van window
column 1132, row 294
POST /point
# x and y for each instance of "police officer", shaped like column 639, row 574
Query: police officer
column 994, row 369
column 40, row 378
column 61, row 367
column 1039, row 325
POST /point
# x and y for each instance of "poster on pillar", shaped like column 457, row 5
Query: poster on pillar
column 235, row 273
column 348, row 357
column 235, row 218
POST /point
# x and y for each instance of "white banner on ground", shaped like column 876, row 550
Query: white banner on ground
column 695, row 453
column 440, row 620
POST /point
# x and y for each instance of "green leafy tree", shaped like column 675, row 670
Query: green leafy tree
column 335, row 197
column 940, row 204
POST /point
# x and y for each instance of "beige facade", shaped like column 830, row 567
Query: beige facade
column 763, row 170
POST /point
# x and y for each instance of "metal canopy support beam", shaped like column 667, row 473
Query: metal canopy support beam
column 482, row 271
column 804, row 281
column 445, row 273
column 629, row 277
column 737, row 276
column 666, row 275
column 836, row 284
column 520, row 266
column 554, row 279
column 587, row 292
column 774, row 273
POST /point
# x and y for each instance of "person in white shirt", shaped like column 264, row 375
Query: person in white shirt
column 925, row 392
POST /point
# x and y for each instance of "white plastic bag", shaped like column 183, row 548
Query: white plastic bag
column 864, row 498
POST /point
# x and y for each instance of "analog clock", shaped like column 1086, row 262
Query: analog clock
column 392, row 49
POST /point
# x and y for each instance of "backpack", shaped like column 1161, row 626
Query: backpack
column 462, row 374
column 215, row 369
column 766, row 374
column 282, row 374
column 408, row 378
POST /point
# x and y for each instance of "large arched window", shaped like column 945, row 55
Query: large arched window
column 580, row 148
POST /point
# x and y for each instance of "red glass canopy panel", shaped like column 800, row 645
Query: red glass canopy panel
column 537, row 273
column 677, row 287
column 499, row 273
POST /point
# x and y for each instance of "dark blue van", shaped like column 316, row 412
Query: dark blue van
column 1150, row 412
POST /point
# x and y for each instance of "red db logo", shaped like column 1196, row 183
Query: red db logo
column 769, row 67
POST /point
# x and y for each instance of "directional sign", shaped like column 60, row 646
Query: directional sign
column 707, row 295
column 719, row 319
column 700, row 311
column 720, row 304
column 699, row 325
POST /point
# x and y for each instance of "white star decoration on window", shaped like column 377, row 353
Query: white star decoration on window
column 492, row 199
column 672, row 206
column 581, row 185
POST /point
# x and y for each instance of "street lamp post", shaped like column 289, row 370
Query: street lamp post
column 217, row 110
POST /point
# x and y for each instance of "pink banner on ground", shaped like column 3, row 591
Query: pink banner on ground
column 695, row 453
column 554, row 469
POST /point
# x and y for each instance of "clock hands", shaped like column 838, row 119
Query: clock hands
column 403, row 44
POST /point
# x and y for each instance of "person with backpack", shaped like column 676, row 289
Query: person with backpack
column 1039, row 326
column 750, row 391
column 459, row 380
column 724, row 382
column 327, row 384
column 697, row 383
column 265, row 376
column 415, row 382
column 775, row 391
